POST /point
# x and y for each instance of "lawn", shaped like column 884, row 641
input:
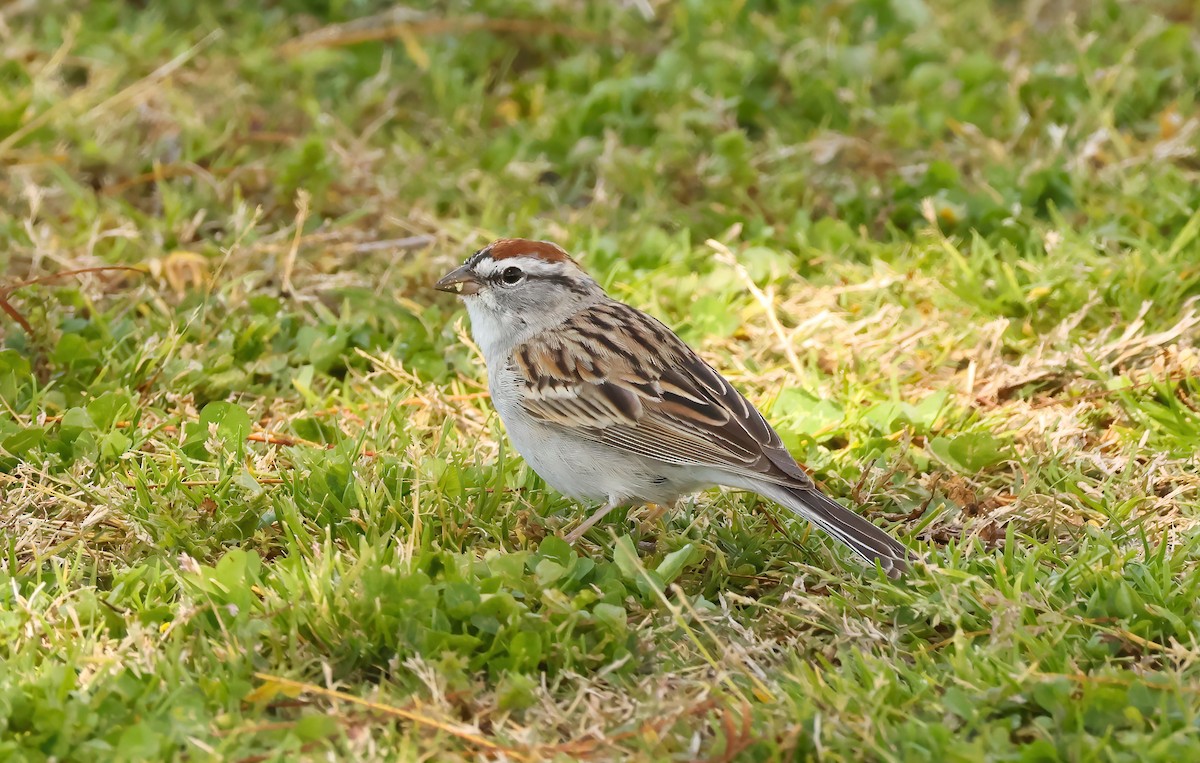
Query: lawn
column 255, row 504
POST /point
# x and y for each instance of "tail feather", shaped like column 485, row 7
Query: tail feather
column 863, row 537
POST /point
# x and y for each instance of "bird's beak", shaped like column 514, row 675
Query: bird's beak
column 460, row 281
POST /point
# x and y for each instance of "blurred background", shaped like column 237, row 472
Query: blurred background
column 400, row 138
column 618, row 127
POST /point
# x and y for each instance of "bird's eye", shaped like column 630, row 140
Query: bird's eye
column 512, row 275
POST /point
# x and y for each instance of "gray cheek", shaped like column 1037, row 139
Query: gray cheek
column 488, row 301
column 521, row 304
column 507, row 308
column 536, row 299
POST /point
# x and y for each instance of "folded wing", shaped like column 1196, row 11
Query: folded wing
column 594, row 377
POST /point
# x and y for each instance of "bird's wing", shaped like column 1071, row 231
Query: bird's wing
column 614, row 375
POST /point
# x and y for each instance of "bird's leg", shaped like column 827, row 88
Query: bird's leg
column 591, row 521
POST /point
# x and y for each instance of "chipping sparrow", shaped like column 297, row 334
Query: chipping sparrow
column 608, row 405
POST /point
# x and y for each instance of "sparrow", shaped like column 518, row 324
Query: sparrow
column 610, row 407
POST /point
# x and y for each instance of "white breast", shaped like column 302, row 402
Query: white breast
column 577, row 467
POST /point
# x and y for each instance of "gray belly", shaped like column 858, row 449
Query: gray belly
column 590, row 471
column 593, row 472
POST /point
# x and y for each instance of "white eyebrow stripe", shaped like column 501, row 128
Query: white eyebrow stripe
column 531, row 266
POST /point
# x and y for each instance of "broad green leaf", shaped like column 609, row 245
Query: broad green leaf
column 554, row 547
column 675, row 562
column 233, row 423
column 109, row 408
column 72, row 348
column 971, row 451
column 113, row 444
column 549, row 572
column 805, row 413
column 74, row 421
column 460, row 599
column 611, row 616
column 19, row 443
column 626, row 557
column 525, row 649
column 313, row 726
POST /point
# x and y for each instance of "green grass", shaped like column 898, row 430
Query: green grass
column 254, row 506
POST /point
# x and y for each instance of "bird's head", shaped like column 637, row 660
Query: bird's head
column 514, row 288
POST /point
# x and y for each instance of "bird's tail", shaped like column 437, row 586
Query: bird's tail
column 864, row 538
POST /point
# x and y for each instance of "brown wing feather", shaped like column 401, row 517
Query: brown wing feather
column 671, row 405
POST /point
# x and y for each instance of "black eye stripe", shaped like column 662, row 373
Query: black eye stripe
column 509, row 276
column 575, row 285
